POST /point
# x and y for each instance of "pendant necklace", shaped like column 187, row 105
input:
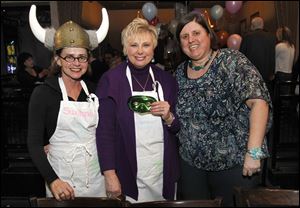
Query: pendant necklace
column 198, row 68
column 140, row 83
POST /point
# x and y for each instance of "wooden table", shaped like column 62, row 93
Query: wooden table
column 266, row 197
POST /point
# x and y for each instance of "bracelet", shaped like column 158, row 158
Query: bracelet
column 256, row 153
column 170, row 117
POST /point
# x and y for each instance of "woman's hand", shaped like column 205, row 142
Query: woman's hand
column 43, row 73
column 251, row 166
column 160, row 108
column 112, row 184
column 62, row 190
column 46, row 149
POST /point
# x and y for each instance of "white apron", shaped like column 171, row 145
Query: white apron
column 72, row 150
column 149, row 148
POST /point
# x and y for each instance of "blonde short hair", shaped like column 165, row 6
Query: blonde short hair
column 138, row 26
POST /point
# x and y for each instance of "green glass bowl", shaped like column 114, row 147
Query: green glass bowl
column 140, row 103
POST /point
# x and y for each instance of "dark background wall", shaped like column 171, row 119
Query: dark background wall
column 14, row 22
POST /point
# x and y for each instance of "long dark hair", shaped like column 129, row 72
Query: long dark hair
column 197, row 17
column 22, row 57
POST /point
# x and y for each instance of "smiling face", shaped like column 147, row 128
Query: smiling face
column 195, row 41
column 140, row 49
column 73, row 70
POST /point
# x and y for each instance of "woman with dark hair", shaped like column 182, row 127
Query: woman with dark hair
column 223, row 107
column 63, row 114
column 27, row 73
column 284, row 57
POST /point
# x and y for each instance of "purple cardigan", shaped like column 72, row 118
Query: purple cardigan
column 116, row 135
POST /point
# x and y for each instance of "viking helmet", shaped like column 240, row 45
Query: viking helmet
column 69, row 34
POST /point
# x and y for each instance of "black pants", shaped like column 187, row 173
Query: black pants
column 200, row 184
column 283, row 77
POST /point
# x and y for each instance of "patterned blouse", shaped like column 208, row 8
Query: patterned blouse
column 213, row 114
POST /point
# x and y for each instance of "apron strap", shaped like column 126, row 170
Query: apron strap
column 63, row 89
column 90, row 97
column 155, row 83
column 128, row 75
column 83, row 85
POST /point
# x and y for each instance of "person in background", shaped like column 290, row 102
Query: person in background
column 136, row 133
column 285, row 55
column 27, row 73
column 96, row 69
column 116, row 60
column 159, row 52
column 296, row 78
column 259, row 47
column 224, row 109
column 107, row 56
column 63, row 114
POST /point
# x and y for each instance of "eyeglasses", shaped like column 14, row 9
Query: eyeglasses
column 71, row 59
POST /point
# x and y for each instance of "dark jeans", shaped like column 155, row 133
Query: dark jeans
column 200, row 184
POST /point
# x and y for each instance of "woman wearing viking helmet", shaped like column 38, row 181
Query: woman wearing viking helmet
column 63, row 114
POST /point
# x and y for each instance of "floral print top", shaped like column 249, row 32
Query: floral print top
column 213, row 113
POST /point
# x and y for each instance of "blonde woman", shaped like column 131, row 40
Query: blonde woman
column 136, row 140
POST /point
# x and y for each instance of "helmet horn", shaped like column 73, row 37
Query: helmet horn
column 103, row 29
column 37, row 30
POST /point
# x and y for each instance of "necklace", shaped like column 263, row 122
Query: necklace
column 198, row 68
column 140, row 83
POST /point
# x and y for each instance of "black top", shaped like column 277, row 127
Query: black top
column 259, row 48
column 97, row 70
column 27, row 79
column 42, row 119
